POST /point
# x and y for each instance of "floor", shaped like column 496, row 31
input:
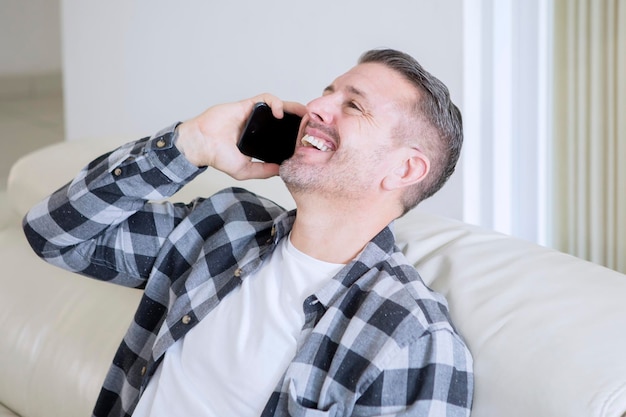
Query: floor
column 26, row 124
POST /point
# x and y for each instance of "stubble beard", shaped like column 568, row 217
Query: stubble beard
column 347, row 176
column 299, row 177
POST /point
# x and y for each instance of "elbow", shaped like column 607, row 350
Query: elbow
column 37, row 242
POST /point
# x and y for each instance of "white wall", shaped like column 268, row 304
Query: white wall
column 30, row 40
column 132, row 67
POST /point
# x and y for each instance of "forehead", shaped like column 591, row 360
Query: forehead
column 377, row 83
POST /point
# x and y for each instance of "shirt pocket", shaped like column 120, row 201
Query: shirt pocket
column 298, row 410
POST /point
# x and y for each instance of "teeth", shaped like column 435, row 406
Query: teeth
column 319, row 144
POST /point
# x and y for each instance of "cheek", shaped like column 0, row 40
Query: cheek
column 355, row 133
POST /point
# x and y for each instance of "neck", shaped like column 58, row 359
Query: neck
column 331, row 232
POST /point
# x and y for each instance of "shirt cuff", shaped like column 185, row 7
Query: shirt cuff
column 162, row 151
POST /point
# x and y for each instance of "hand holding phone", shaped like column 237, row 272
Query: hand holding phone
column 268, row 138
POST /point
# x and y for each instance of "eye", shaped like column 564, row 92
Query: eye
column 354, row 105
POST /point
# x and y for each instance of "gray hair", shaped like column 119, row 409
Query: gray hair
column 436, row 115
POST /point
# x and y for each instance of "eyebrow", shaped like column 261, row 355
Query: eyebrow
column 351, row 89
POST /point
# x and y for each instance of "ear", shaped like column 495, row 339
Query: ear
column 413, row 168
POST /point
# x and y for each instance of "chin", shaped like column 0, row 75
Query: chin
column 296, row 177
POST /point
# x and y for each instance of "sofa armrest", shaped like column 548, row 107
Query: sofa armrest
column 8, row 215
column 59, row 333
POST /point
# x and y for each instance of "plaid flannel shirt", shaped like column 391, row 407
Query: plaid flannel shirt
column 376, row 340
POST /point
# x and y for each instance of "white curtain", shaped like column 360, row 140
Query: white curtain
column 589, row 148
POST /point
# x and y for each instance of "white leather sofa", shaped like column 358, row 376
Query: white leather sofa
column 547, row 330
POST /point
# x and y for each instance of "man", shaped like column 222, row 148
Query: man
column 251, row 310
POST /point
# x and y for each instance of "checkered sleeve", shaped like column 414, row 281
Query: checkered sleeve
column 430, row 377
column 104, row 223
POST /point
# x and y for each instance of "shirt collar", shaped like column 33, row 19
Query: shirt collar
column 376, row 251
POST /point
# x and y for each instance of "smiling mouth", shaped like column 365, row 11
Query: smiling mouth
column 312, row 141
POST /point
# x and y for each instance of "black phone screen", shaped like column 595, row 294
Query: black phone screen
column 267, row 138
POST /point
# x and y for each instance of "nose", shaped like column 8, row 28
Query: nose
column 322, row 109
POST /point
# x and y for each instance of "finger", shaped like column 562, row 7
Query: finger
column 258, row 170
column 274, row 102
column 279, row 107
column 294, row 108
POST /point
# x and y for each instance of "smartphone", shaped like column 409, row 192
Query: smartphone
column 267, row 138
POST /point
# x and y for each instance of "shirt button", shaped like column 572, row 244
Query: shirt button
column 186, row 319
column 272, row 234
column 161, row 143
column 117, row 172
column 238, row 272
column 143, row 371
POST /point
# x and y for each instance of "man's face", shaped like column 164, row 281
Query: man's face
column 348, row 139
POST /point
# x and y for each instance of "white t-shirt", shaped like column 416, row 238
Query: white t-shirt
column 230, row 363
